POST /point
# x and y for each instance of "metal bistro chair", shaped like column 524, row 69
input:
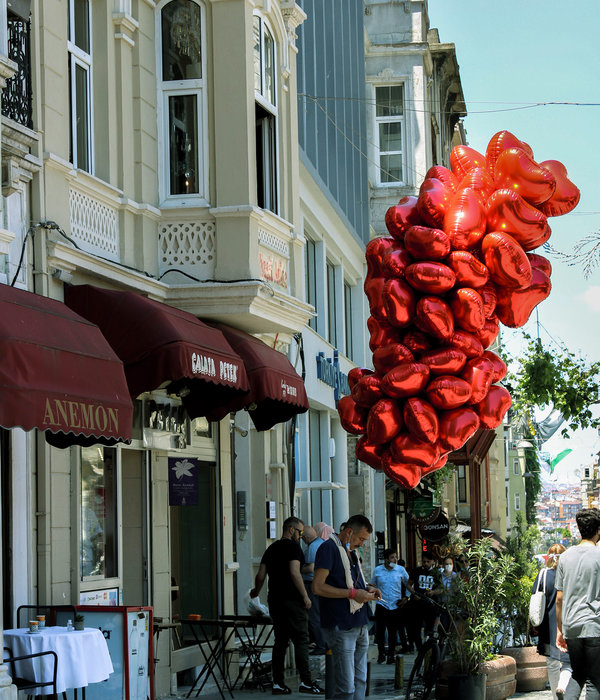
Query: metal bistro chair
column 25, row 684
column 55, row 614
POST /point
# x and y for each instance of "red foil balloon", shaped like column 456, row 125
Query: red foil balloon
column 374, row 291
column 515, row 170
column 399, row 302
column 494, row 406
column 444, row 360
column 388, row 357
column 445, row 176
column 433, row 202
column 401, row 217
column 479, row 373
column 510, row 213
column 540, row 262
column 430, row 277
column 353, row 418
column 407, row 475
column 456, row 427
column 500, row 368
column 469, row 271
column 447, row 392
column 489, row 332
column 421, row 419
column 465, row 220
column 374, row 253
column 381, row 333
column 566, row 195
column 404, row 448
column 434, row 467
column 466, row 342
column 478, row 179
column 500, row 142
column 506, row 260
column 357, row 373
column 433, row 316
column 515, row 305
column 467, row 307
column 369, row 453
column 367, row 390
column 489, row 298
column 405, row 380
column 425, row 243
column 395, row 262
column 384, row 421
column 463, row 159
column 416, row 341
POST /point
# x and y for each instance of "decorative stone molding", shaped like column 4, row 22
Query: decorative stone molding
column 293, row 16
column 7, row 69
column 6, row 238
column 18, row 163
column 125, row 27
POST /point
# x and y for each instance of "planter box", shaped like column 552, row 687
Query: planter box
column 532, row 672
column 501, row 682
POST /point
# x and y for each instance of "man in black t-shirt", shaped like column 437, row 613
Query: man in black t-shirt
column 425, row 580
column 288, row 606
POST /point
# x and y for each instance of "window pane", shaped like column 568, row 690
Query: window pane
column 348, row 319
column 331, row 305
column 257, row 56
column 390, row 136
column 311, row 279
column 183, row 144
column 82, row 118
column 98, row 512
column 181, row 41
column 391, row 168
column 266, row 162
column 269, row 93
column 390, row 101
column 81, row 12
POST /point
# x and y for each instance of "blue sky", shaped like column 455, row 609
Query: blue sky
column 511, row 55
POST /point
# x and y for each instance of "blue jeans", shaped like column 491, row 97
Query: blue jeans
column 349, row 652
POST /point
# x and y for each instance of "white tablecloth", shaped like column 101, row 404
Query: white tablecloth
column 83, row 656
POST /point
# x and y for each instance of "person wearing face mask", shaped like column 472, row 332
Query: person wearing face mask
column 449, row 576
column 425, row 581
column 388, row 577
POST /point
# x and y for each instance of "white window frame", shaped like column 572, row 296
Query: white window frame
column 79, row 57
column 387, row 120
column 271, row 108
column 517, row 501
column 516, row 467
column 173, row 88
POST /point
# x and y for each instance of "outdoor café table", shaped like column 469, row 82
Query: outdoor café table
column 254, row 633
column 212, row 649
column 83, row 656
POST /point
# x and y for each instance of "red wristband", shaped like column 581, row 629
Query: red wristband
column 352, row 593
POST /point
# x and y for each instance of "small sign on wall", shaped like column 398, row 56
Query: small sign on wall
column 271, row 529
column 183, row 481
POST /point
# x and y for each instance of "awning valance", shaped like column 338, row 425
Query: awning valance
column 277, row 391
column 58, row 373
column 161, row 346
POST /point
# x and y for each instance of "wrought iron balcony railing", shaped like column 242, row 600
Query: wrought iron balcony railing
column 17, row 95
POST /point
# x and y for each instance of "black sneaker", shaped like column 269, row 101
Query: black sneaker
column 381, row 659
column 391, row 660
column 313, row 689
column 281, row 689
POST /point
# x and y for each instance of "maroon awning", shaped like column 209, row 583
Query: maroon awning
column 164, row 346
column 58, row 374
column 277, row 391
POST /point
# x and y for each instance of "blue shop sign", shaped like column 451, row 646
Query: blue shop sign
column 328, row 371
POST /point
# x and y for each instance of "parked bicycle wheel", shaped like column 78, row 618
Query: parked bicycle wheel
column 424, row 673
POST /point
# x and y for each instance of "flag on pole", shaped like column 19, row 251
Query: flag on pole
column 557, row 459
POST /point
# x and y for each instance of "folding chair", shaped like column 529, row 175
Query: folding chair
column 25, row 684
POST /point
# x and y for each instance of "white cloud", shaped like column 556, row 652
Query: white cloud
column 591, row 298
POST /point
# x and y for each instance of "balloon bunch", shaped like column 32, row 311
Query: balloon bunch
column 456, row 264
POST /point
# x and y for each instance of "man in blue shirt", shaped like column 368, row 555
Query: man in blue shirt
column 343, row 592
column 314, row 614
column 388, row 577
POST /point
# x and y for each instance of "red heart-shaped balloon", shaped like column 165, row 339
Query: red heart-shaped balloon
column 478, row 179
column 357, row 373
column 499, row 365
column 416, row 341
column 494, row 406
column 421, row 419
column 367, row 390
column 402, row 216
column 425, row 243
column 509, row 213
column 369, row 453
column 466, row 342
column 353, row 417
column 515, row 305
column 500, row 142
column 389, row 356
column 444, row 360
column 479, row 373
column 408, row 379
column 395, row 262
column 489, row 298
column 434, row 467
column 430, row 277
column 407, row 475
column 433, row 202
column 456, row 427
column 488, row 332
column 463, row 159
column 445, row 176
column 566, row 195
column 515, row 170
column 447, row 391
column 540, row 262
column 374, row 253
column 384, row 421
column 374, row 290
column 405, row 449
column 467, row 307
column 465, row 220
column 434, row 316
column 399, row 302
column 469, row 271
column 506, row 260
column 381, row 333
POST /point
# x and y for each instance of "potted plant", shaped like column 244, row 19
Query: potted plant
column 79, row 622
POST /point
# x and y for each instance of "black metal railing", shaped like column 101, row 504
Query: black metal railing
column 17, row 95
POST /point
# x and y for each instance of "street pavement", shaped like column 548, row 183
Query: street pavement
column 381, row 683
